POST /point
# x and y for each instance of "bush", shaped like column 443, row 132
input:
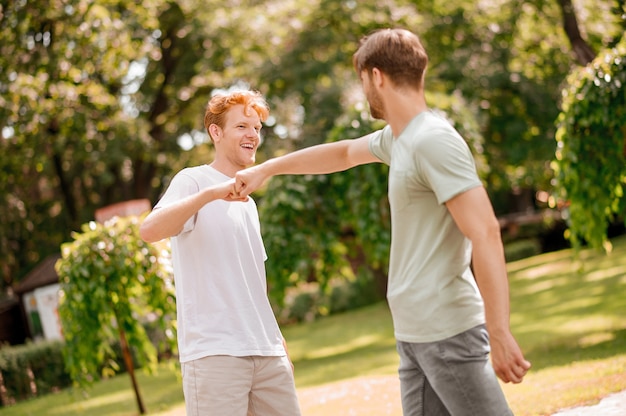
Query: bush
column 347, row 295
column 308, row 301
column 590, row 163
column 32, row 369
column 36, row 369
column 301, row 304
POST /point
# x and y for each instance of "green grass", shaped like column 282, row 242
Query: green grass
column 111, row 397
column 568, row 316
column 343, row 346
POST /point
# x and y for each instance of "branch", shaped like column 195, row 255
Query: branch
column 582, row 50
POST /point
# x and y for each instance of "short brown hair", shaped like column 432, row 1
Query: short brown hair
column 220, row 103
column 396, row 52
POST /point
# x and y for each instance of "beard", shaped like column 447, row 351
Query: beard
column 376, row 104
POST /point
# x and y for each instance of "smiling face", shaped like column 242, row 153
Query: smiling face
column 237, row 141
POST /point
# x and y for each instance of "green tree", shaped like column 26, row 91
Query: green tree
column 319, row 227
column 101, row 101
column 591, row 153
column 67, row 142
column 502, row 68
column 509, row 61
column 111, row 281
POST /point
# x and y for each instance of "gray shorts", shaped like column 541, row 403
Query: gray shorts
column 450, row 377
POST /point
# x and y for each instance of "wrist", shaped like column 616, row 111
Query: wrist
column 268, row 169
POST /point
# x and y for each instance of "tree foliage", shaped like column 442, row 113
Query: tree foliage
column 102, row 101
column 318, row 227
column 68, row 143
column 591, row 155
column 111, row 282
column 95, row 100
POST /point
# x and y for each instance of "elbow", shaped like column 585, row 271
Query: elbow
column 493, row 228
column 492, row 231
column 488, row 233
column 147, row 233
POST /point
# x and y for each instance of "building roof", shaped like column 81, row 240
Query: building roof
column 43, row 274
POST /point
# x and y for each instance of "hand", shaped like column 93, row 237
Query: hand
column 507, row 358
column 249, row 180
column 226, row 191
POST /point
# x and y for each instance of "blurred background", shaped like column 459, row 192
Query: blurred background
column 102, row 102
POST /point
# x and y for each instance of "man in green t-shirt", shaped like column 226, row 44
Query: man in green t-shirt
column 447, row 319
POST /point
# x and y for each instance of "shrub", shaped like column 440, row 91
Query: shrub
column 590, row 165
column 32, row 369
column 308, row 301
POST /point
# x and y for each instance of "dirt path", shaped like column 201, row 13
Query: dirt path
column 380, row 396
column 613, row 405
column 364, row 396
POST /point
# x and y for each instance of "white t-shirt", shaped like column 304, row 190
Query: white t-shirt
column 219, row 271
column 432, row 293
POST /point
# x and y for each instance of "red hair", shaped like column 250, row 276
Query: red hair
column 220, row 104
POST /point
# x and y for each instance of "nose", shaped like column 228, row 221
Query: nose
column 252, row 133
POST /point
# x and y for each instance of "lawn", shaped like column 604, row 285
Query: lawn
column 568, row 315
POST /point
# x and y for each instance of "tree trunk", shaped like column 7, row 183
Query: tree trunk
column 65, row 187
column 583, row 52
column 128, row 360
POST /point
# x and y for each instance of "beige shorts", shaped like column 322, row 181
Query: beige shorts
column 222, row 385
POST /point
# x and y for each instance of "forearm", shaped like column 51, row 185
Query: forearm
column 474, row 216
column 319, row 159
column 169, row 221
column 490, row 273
column 314, row 160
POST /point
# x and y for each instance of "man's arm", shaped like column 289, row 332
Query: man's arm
column 169, row 221
column 473, row 214
column 319, row 159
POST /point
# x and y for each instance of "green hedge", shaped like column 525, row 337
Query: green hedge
column 31, row 370
column 309, row 301
column 38, row 368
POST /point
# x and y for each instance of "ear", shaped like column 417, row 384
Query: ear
column 216, row 132
column 378, row 77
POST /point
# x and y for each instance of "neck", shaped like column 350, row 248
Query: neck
column 401, row 106
column 226, row 169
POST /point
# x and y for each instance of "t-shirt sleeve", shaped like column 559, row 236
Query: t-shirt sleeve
column 380, row 144
column 446, row 165
column 181, row 186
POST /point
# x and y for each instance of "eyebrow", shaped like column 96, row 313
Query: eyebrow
column 248, row 123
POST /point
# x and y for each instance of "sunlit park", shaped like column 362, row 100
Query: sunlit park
column 102, row 103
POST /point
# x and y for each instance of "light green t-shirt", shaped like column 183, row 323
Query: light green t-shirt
column 432, row 293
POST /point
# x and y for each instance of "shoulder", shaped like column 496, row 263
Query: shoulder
column 193, row 170
column 437, row 135
column 201, row 174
